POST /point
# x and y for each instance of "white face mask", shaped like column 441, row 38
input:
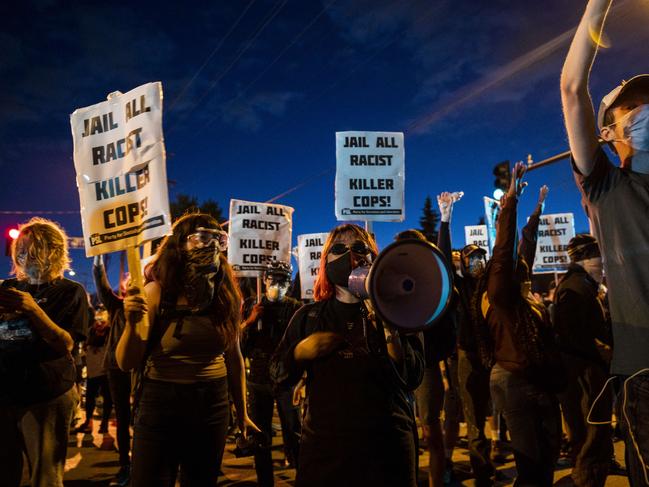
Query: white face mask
column 635, row 126
column 275, row 292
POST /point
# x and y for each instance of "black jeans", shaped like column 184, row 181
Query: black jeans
column 260, row 405
column 473, row 381
column 180, row 426
column 120, row 390
column 534, row 423
column 93, row 386
column 634, row 413
column 591, row 445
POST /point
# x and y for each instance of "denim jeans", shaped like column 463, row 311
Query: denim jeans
column 260, row 406
column 634, row 414
column 534, row 423
column 43, row 428
column 473, row 380
column 180, row 426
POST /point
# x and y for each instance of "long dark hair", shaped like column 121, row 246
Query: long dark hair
column 530, row 330
column 479, row 322
column 168, row 264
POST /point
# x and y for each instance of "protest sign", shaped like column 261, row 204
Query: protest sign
column 119, row 159
column 309, row 253
column 477, row 234
column 260, row 233
column 555, row 231
column 370, row 176
column 491, row 210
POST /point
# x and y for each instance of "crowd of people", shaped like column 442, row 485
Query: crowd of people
column 529, row 375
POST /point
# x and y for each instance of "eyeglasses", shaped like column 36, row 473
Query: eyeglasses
column 357, row 247
column 205, row 236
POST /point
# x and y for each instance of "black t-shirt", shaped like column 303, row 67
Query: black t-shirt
column 260, row 344
column 617, row 202
column 30, row 370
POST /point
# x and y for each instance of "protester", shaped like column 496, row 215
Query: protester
column 118, row 380
column 430, row 393
column 615, row 200
column 41, row 316
column 584, row 333
column 359, row 427
column 191, row 357
column 97, row 381
column 473, row 372
column 261, row 334
column 527, row 369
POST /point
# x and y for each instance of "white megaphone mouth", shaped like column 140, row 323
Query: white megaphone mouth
column 409, row 284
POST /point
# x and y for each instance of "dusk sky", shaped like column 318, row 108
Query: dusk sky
column 254, row 91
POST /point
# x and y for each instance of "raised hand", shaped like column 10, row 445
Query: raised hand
column 516, row 186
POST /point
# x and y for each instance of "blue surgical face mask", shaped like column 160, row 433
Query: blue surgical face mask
column 635, row 126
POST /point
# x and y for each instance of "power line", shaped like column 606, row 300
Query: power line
column 208, row 59
column 248, row 44
column 277, row 58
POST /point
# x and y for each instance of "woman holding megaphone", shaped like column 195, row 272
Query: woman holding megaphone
column 359, row 426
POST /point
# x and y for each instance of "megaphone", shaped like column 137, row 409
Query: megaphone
column 409, row 284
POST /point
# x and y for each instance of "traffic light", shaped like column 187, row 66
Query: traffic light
column 10, row 235
column 503, row 175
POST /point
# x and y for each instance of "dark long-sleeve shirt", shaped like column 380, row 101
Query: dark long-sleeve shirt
column 580, row 317
column 504, row 292
column 115, row 307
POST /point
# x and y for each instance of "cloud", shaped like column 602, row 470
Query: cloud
column 247, row 113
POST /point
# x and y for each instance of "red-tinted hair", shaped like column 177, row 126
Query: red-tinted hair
column 323, row 288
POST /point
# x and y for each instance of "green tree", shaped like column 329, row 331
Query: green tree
column 187, row 204
column 429, row 220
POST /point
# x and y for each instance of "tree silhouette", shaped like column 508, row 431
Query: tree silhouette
column 428, row 221
column 188, row 204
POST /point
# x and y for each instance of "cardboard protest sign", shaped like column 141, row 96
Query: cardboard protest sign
column 491, row 210
column 555, row 231
column 309, row 253
column 477, row 234
column 119, row 159
column 260, row 233
column 370, row 176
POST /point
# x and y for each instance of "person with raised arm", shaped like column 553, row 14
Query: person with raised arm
column 616, row 199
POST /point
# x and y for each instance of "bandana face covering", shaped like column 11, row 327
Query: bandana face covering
column 200, row 277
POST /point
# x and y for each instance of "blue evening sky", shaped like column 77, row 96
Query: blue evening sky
column 256, row 89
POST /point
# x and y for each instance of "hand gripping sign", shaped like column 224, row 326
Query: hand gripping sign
column 260, row 233
column 370, row 176
column 119, row 159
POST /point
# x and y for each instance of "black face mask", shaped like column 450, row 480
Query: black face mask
column 201, row 277
column 339, row 270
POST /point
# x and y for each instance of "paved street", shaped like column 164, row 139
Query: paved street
column 90, row 466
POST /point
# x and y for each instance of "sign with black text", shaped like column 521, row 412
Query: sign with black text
column 370, row 176
column 309, row 252
column 260, row 233
column 477, row 234
column 119, row 158
column 555, row 231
